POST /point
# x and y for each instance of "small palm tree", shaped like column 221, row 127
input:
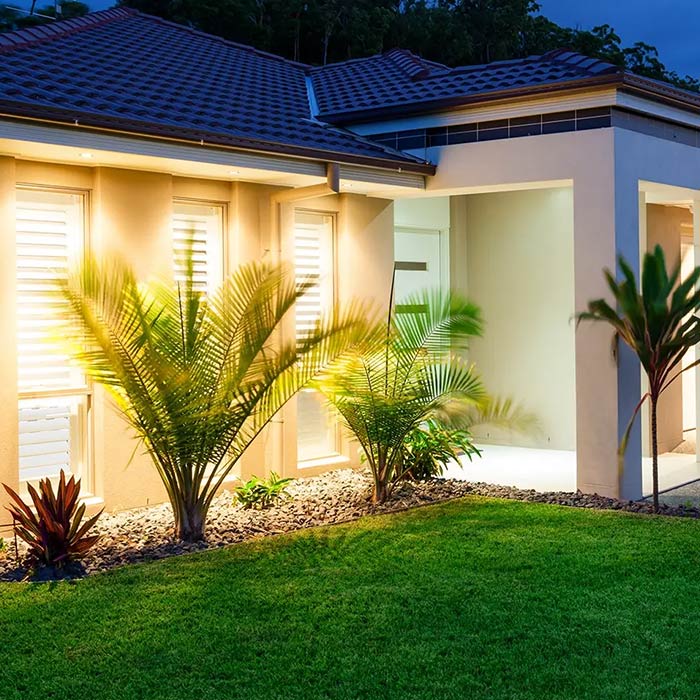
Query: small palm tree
column 658, row 323
column 404, row 374
column 197, row 378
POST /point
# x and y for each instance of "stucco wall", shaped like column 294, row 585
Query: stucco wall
column 519, row 262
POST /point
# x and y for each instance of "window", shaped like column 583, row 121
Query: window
column 201, row 227
column 314, row 260
column 53, row 394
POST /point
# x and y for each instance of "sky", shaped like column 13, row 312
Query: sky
column 670, row 25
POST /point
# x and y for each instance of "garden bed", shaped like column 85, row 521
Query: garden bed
column 340, row 496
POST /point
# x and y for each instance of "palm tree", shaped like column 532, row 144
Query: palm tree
column 658, row 323
column 404, row 374
column 197, row 378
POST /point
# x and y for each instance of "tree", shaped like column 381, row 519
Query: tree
column 658, row 323
column 408, row 373
column 197, row 378
column 452, row 32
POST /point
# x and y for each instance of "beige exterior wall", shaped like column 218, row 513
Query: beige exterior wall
column 130, row 215
column 519, row 260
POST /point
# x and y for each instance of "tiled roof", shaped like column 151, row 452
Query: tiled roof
column 399, row 79
column 124, row 70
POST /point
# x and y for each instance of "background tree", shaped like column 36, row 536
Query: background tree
column 453, row 32
column 658, row 323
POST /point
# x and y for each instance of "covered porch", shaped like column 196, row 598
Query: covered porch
column 525, row 232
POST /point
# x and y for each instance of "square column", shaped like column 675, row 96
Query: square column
column 606, row 223
column 696, row 370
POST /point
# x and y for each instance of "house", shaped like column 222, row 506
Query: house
column 516, row 182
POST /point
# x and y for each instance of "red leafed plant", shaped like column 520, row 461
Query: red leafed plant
column 54, row 532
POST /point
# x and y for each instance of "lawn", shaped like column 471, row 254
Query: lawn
column 476, row 598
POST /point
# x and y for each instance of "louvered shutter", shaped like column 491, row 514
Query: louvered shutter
column 199, row 227
column 49, row 240
column 308, row 256
column 313, row 262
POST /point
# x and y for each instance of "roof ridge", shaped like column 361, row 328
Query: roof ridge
column 409, row 62
column 29, row 36
column 576, row 59
column 227, row 42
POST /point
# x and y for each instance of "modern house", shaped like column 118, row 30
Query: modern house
column 516, row 182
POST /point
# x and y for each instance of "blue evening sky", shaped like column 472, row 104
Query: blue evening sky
column 670, row 25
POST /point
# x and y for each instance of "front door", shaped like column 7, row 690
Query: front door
column 421, row 261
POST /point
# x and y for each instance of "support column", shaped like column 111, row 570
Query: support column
column 606, row 223
column 696, row 370
column 9, row 458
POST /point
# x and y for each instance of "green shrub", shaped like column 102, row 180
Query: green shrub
column 430, row 447
column 261, row 493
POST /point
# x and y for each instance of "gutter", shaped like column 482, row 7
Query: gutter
column 116, row 125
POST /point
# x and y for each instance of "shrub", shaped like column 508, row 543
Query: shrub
column 55, row 533
column 430, row 447
column 197, row 376
column 261, row 493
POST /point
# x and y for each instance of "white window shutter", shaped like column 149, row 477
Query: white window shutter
column 200, row 228
column 52, row 420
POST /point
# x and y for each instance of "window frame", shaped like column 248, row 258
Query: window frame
column 223, row 235
column 85, row 392
column 337, row 435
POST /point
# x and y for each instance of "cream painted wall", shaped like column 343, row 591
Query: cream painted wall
column 519, row 260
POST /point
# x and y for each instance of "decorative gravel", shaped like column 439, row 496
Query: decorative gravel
column 146, row 534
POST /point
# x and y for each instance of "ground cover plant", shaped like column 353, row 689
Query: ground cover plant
column 478, row 598
column 261, row 493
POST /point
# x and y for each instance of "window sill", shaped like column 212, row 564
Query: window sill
column 330, row 461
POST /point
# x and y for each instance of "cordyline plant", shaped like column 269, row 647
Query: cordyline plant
column 406, row 373
column 659, row 324
column 54, row 531
column 198, row 377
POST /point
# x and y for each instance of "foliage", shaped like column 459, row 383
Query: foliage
column 197, row 377
column 430, row 447
column 453, row 32
column 12, row 18
column 261, row 493
column 659, row 324
column 405, row 373
column 55, row 533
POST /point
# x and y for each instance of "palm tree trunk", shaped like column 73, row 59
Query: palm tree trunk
column 380, row 491
column 654, row 454
column 189, row 518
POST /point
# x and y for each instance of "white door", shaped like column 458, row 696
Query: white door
column 421, row 261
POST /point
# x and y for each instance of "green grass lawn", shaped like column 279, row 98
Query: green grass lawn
column 475, row 598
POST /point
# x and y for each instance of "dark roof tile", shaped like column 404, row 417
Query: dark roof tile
column 401, row 79
column 122, row 67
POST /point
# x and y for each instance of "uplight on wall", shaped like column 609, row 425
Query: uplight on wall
column 86, row 155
